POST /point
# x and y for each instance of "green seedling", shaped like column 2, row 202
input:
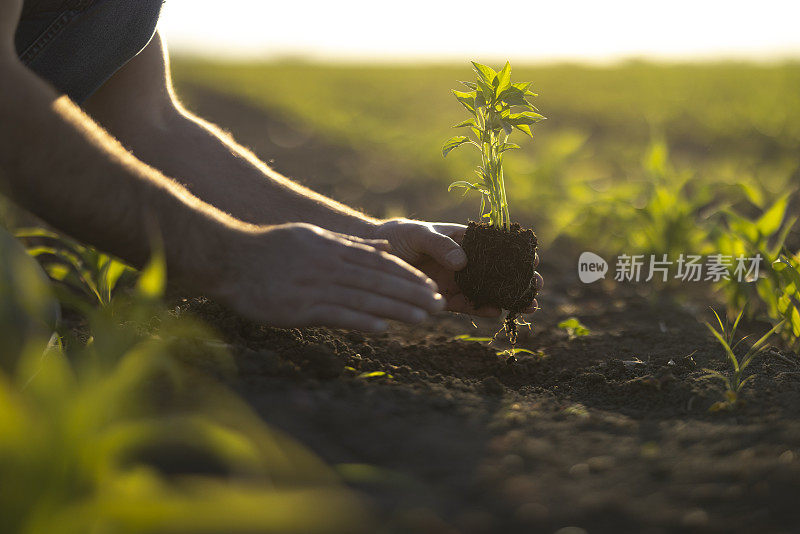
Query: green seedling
column 787, row 304
column 74, row 266
column 467, row 337
column 375, row 374
column 735, row 380
column 517, row 350
column 497, row 106
column 574, row 328
column 776, row 288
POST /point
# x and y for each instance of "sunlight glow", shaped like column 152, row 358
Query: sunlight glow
column 434, row 30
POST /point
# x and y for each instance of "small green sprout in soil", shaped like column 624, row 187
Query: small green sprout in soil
column 375, row 374
column 500, row 255
column 574, row 328
column 735, row 381
column 787, row 267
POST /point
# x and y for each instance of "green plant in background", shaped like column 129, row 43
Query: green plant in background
column 79, row 268
column 574, row 328
column 764, row 236
column 662, row 212
column 735, row 380
column 123, row 433
column 497, row 107
column 787, row 267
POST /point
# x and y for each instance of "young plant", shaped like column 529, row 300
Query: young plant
column 574, row 328
column 777, row 288
column 76, row 267
column 735, row 380
column 500, row 269
column 787, row 267
column 497, row 106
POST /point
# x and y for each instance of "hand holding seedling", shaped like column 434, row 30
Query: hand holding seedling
column 435, row 249
column 300, row 275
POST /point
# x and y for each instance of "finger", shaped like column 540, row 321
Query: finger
column 538, row 281
column 380, row 244
column 460, row 304
column 453, row 231
column 376, row 305
column 370, row 258
column 441, row 248
column 391, row 286
column 340, row 317
column 533, row 307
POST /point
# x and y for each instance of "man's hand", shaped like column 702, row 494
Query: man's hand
column 435, row 249
column 301, row 275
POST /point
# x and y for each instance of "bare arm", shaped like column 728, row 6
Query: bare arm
column 138, row 106
column 57, row 163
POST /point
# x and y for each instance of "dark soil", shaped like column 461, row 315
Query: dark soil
column 608, row 432
column 500, row 267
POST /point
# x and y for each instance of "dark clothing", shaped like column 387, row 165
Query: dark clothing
column 77, row 45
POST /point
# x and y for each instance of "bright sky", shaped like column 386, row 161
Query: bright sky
column 529, row 30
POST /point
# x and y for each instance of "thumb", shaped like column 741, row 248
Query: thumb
column 444, row 250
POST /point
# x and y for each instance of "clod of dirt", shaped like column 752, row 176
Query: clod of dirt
column 500, row 267
column 321, row 362
column 492, row 385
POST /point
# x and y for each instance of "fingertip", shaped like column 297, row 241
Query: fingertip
column 456, row 259
column 539, row 281
column 439, row 303
column 533, row 307
column 377, row 326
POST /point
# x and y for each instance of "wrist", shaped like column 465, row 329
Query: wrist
column 206, row 259
column 366, row 228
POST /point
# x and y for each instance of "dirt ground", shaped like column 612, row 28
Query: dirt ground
column 608, row 432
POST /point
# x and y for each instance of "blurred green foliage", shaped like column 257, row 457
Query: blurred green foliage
column 733, row 123
column 122, row 432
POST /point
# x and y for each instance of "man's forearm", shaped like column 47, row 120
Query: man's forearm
column 55, row 162
column 220, row 171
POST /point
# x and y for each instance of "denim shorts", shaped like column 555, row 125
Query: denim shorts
column 76, row 45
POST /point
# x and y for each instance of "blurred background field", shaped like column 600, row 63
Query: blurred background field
column 726, row 124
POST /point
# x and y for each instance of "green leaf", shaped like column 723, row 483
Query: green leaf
column 453, row 142
column 469, row 122
column 508, row 146
column 524, row 128
column 471, row 85
column 795, row 319
column 524, row 87
column 487, row 74
column 503, row 79
column 574, row 327
column 770, row 222
column 726, row 346
column 467, row 100
column 514, row 97
column 467, row 337
column 479, row 187
column 375, row 374
column 153, row 280
column 526, row 117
